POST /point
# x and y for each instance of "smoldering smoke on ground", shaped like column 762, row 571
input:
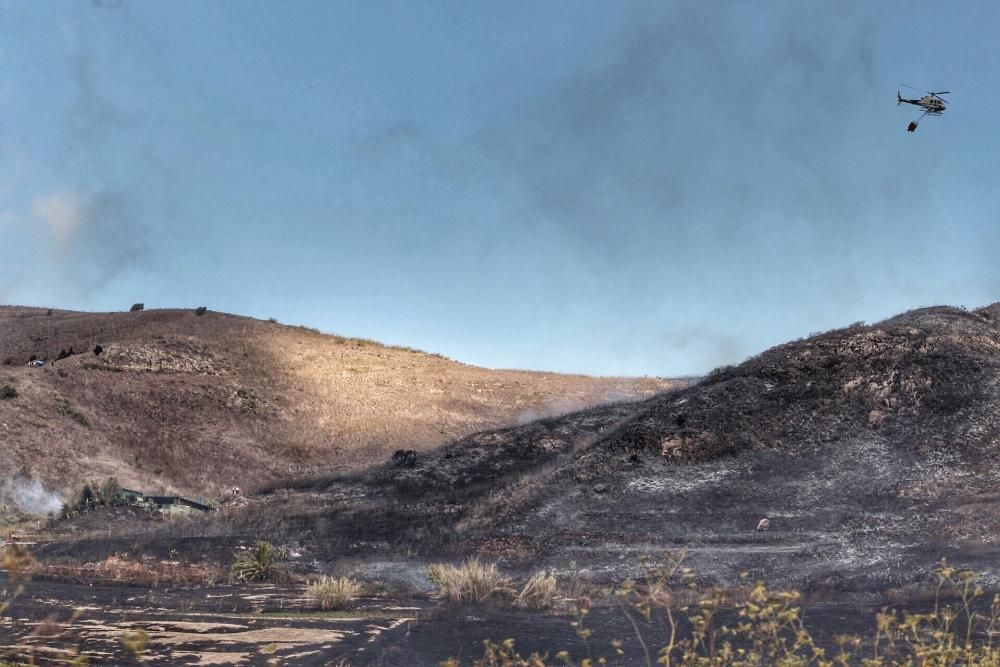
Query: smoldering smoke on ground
column 28, row 495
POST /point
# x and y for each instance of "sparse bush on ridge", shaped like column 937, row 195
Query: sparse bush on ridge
column 333, row 593
column 200, row 310
column 136, row 307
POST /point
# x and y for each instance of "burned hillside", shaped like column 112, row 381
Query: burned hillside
column 870, row 449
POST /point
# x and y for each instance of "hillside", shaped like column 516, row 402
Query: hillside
column 873, row 450
column 178, row 402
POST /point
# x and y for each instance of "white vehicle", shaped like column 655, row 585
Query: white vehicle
column 36, row 362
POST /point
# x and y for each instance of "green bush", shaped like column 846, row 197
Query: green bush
column 259, row 563
column 96, row 494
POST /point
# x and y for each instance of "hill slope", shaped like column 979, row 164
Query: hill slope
column 874, row 451
column 194, row 404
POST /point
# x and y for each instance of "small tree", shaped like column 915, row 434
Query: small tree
column 109, row 492
column 259, row 563
column 200, row 310
column 136, row 307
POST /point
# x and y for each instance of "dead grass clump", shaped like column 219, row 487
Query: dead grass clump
column 538, row 592
column 16, row 562
column 333, row 592
column 472, row 581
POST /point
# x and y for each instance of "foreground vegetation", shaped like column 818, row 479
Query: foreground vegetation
column 673, row 620
column 769, row 630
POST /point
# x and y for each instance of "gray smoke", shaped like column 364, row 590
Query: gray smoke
column 28, row 495
column 693, row 147
column 566, row 405
column 93, row 236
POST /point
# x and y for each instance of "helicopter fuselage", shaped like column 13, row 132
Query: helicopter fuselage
column 932, row 103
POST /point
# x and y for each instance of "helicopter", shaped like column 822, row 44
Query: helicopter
column 932, row 104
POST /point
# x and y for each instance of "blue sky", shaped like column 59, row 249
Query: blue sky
column 599, row 187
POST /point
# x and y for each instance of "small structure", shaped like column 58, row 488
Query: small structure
column 134, row 497
column 170, row 502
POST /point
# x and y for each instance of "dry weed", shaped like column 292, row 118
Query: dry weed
column 333, row 593
column 538, row 592
column 472, row 581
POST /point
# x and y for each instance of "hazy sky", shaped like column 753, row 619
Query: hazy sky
column 602, row 187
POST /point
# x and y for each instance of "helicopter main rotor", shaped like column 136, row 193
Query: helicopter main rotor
column 943, row 92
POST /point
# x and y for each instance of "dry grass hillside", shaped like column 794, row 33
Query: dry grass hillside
column 872, row 450
column 189, row 403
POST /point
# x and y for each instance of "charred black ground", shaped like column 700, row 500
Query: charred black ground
column 871, row 449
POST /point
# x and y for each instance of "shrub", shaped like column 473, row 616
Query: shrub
column 8, row 361
column 95, row 494
column 472, row 581
column 109, row 492
column 7, row 391
column 63, row 407
column 136, row 307
column 258, row 564
column 98, row 350
column 333, row 593
column 200, row 310
column 538, row 592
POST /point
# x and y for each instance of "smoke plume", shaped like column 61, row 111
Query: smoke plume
column 94, row 237
column 28, row 495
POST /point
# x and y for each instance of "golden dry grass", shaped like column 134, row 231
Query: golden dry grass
column 333, row 593
column 472, row 581
column 195, row 404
